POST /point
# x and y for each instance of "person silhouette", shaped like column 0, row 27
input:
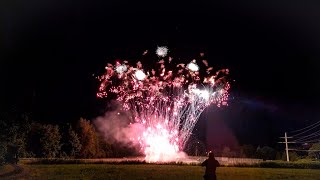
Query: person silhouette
column 211, row 165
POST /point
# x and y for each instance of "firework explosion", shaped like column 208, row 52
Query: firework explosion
column 166, row 99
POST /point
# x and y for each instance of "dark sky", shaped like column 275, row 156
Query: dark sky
column 51, row 48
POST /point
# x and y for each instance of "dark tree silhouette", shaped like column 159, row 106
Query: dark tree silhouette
column 74, row 143
column 88, row 138
column 50, row 141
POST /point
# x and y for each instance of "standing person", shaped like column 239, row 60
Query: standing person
column 211, row 164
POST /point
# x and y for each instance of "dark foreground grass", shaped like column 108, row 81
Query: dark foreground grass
column 151, row 171
column 5, row 169
column 301, row 164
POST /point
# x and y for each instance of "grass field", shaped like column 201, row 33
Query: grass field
column 5, row 169
column 149, row 171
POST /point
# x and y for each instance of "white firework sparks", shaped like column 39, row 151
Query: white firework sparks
column 121, row 69
column 193, row 67
column 140, row 75
column 162, row 51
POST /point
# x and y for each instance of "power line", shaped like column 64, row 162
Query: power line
column 315, row 134
column 307, row 130
column 305, row 127
column 309, row 141
column 305, row 150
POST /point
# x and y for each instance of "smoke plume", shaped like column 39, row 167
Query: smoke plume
column 116, row 126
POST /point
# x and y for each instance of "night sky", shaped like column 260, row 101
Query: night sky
column 50, row 49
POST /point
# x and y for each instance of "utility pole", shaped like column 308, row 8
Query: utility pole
column 286, row 142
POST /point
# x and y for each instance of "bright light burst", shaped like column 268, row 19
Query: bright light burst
column 162, row 51
column 121, row 68
column 193, row 67
column 140, row 75
column 166, row 101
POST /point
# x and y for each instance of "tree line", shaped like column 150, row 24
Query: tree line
column 312, row 152
column 21, row 137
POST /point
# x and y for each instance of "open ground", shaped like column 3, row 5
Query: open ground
column 135, row 168
column 151, row 171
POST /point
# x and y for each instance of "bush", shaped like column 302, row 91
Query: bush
column 266, row 153
column 294, row 156
column 296, row 165
column 3, row 152
column 314, row 152
column 248, row 150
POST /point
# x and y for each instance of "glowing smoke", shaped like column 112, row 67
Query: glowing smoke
column 116, row 127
